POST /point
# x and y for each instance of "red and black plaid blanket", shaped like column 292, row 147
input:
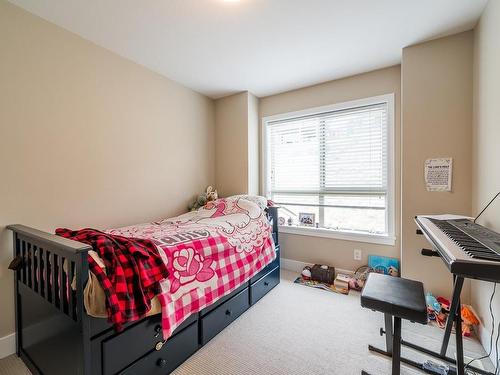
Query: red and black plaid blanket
column 134, row 269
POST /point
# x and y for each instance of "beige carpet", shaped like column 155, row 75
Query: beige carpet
column 296, row 330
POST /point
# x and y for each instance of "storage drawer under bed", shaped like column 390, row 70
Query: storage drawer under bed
column 122, row 349
column 219, row 302
column 264, row 285
column 222, row 316
column 175, row 351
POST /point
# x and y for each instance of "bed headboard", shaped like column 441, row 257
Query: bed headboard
column 272, row 215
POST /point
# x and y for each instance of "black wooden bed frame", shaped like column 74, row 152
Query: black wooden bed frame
column 54, row 335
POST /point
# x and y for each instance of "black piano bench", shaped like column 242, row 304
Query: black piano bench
column 398, row 299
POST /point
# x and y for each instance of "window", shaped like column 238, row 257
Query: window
column 334, row 162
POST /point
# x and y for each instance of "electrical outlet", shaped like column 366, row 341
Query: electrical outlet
column 357, row 254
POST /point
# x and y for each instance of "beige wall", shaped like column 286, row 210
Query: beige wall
column 231, row 168
column 236, row 155
column 90, row 139
column 324, row 250
column 486, row 150
column 253, row 144
column 437, row 122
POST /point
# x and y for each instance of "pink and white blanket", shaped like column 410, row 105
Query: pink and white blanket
column 209, row 253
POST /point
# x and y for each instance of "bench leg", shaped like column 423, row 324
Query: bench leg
column 396, row 347
column 388, row 333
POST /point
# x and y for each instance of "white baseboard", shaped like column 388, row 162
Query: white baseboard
column 7, row 345
column 298, row 266
column 293, row 265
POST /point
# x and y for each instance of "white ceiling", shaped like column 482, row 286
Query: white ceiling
column 219, row 47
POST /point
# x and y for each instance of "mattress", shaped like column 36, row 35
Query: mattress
column 205, row 218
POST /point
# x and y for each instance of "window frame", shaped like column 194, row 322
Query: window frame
column 386, row 239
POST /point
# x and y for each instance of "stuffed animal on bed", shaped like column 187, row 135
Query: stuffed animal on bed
column 209, row 195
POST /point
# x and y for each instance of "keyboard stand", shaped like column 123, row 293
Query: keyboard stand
column 454, row 316
column 455, row 242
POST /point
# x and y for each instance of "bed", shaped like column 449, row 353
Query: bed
column 59, row 330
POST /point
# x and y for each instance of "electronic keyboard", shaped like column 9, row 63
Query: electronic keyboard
column 468, row 249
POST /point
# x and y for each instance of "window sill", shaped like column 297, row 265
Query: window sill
column 329, row 233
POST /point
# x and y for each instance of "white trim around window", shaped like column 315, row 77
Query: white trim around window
column 389, row 237
column 338, row 235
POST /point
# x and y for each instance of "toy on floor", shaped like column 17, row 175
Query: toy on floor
column 323, row 273
column 441, row 319
column 469, row 320
column 357, row 281
column 393, row 271
column 385, row 265
column 445, row 304
column 432, row 303
column 306, row 273
column 320, row 277
column 438, row 310
column 356, row 284
column 433, row 307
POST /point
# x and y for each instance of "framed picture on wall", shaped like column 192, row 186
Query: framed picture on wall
column 307, row 219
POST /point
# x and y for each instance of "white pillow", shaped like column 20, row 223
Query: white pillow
column 257, row 199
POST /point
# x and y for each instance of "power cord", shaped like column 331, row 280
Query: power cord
column 497, row 365
column 491, row 336
column 485, row 208
column 497, row 368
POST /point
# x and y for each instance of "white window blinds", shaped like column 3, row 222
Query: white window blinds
column 355, row 149
column 333, row 164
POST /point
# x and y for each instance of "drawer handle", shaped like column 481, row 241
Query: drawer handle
column 229, row 312
column 266, row 283
column 158, row 331
column 159, row 345
column 162, row 362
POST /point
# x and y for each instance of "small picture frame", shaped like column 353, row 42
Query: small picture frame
column 307, row 219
